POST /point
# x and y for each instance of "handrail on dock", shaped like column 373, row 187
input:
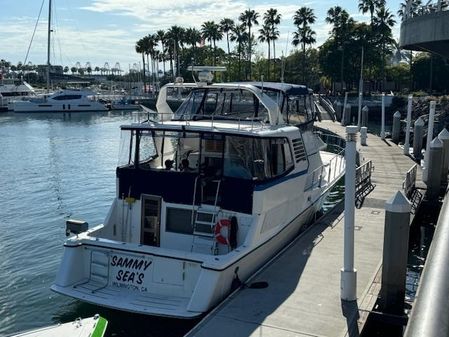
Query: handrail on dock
column 327, row 105
column 429, row 317
column 408, row 185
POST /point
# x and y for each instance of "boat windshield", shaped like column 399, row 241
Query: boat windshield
column 222, row 103
column 243, row 157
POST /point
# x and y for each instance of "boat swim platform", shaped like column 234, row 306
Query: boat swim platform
column 303, row 293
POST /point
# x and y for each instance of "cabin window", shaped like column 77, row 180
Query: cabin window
column 147, row 150
column 225, row 103
column 297, row 109
column 238, row 159
column 127, row 148
column 66, row 97
column 190, row 106
column 179, row 220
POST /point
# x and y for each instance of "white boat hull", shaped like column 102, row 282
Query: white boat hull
column 187, row 287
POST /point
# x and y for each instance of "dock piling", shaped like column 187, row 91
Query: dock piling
column 348, row 280
column 363, row 135
column 396, row 127
column 395, row 253
column 407, row 127
column 418, row 138
column 433, row 169
column 365, row 112
column 359, row 111
column 444, row 137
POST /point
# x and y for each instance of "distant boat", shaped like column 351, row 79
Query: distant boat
column 88, row 327
column 11, row 91
column 68, row 100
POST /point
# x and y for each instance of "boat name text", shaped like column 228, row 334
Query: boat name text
column 131, row 277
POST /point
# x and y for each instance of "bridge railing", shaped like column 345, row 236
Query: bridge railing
column 429, row 317
column 412, row 10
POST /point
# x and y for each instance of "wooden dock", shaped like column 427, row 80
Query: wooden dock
column 303, row 293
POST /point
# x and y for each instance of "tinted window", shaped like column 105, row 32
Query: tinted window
column 179, row 220
column 66, row 97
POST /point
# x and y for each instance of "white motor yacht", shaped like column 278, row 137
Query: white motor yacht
column 11, row 91
column 67, row 100
column 205, row 196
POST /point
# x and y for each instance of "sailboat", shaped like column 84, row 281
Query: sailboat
column 67, row 100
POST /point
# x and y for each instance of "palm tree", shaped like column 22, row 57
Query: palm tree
column 240, row 36
column 343, row 24
column 248, row 19
column 140, row 48
column 176, row 36
column 370, row 6
column 273, row 19
column 383, row 22
column 409, row 8
column 163, row 39
column 193, row 37
column 211, row 32
column 265, row 36
column 226, row 26
column 304, row 35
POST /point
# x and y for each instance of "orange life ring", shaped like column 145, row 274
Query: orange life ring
column 222, row 223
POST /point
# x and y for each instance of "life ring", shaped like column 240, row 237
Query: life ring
column 222, row 223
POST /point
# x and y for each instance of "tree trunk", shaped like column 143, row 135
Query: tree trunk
column 268, row 64
column 304, row 63
column 143, row 61
column 249, row 51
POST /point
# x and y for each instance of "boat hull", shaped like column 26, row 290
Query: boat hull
column 192, row 291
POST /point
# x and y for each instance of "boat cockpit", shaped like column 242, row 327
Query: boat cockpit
column 269, row 103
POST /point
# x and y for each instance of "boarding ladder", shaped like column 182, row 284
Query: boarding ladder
column 99, row 271
column 205, row 217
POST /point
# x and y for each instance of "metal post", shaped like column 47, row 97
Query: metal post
column 429, row 138
column 444, row 137
column 429, row 316
column 395, row 253
column 48, row 45
column 365, row 112
column 360, row 92
column 396, row 127
column 348, row 284
column 343, row 115
column 407, row 127
column 417, row 138
column 359, row 114
column 434, row 165
column 382, row 127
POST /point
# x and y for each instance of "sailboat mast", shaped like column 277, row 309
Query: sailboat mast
column 48, row 45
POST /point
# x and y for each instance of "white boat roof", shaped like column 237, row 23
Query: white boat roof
column 249, row 128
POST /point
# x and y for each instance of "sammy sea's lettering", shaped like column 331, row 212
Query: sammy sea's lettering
column 137, row 266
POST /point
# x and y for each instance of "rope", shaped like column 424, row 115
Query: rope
column 34, row 32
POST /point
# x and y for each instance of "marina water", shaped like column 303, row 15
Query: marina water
column 55, row 167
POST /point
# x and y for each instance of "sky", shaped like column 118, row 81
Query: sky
column 100, row 31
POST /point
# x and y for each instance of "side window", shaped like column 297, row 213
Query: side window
column 288, row 156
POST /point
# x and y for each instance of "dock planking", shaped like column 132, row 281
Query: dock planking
column 303, row 293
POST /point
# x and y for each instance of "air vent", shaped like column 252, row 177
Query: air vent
column 299, row 150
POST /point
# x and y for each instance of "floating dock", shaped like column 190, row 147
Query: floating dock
column 303, row 293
